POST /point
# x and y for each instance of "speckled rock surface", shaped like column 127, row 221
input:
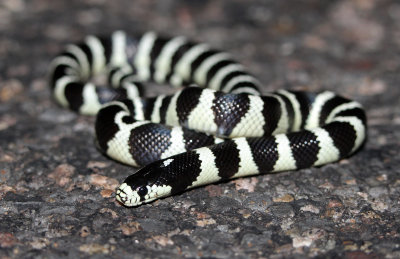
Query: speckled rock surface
column 56, row 189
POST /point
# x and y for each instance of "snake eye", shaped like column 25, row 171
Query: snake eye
column 142, row 191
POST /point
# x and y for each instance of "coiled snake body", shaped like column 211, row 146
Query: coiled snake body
column 200, row 135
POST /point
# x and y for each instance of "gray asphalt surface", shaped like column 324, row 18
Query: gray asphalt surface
column 56, row 189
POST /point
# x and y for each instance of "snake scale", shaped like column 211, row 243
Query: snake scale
column 219, row 127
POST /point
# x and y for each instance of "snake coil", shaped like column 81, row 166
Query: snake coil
column 200, row 135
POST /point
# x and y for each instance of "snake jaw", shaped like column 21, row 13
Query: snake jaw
column 131, row 198
column 127, row 196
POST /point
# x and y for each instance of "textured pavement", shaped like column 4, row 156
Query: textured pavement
column 57, row 191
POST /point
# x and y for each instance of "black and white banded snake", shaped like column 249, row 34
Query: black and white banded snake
column 199, row 135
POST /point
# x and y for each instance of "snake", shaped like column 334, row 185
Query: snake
column 216, row 126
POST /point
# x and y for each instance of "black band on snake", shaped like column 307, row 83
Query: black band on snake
column 218, row 128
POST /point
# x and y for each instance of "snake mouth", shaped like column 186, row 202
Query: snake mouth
column 127, row 197
column 144, row 194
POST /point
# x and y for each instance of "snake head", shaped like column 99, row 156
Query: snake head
column 145, row 186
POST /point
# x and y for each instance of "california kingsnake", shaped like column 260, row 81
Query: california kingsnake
column 255, row 134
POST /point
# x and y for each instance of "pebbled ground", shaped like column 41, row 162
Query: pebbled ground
column 56, row 189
